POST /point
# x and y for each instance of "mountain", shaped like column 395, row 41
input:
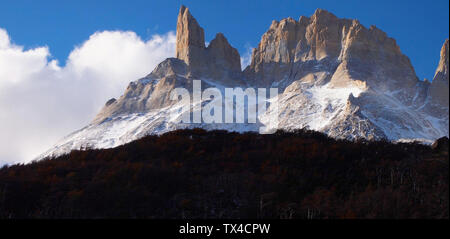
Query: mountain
column 333, row 75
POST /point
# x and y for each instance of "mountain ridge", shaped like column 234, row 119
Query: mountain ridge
column 335, row 76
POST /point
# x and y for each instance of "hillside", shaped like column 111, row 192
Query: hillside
column 216, row 174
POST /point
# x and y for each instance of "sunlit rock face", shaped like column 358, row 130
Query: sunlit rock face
column 342, row 47
column 219, row 60
column 190, row 38
column 439, row 86
column 333, row 75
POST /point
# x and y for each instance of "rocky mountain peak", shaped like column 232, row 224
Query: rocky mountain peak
column 439, row 89
column 219, row 61
column 222, row 54
column 289, row 47
column 333, row 75
column 324, row 17
column 190, row 37
column 443, row 62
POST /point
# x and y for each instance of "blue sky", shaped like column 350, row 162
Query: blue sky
column 420, row 27
column 102, row 45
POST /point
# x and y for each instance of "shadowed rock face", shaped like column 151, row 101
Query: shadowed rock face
column 333, row 75
column 222, row 55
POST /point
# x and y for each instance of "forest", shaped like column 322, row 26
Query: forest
column 196, row 174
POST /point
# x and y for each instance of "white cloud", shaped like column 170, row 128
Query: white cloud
column 4, row 39
column 40, row 101
column 246, row 58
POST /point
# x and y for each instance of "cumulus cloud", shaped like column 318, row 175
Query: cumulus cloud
column 41, row 101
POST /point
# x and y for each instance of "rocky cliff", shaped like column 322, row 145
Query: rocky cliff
column 219, row 60
column 334, row 76
column 439, row 86
column 326, row 43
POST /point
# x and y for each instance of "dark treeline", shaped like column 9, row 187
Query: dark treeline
column 216, row 174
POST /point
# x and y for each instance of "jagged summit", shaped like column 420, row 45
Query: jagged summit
column 439, row 89
column 219, row 61
column 443, row 62
column 333, row 75
column 344, row 45
column 190, row 37
column 222, row 53
column 322, row 16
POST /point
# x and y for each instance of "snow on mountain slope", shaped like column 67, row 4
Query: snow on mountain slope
column 327, row 109
column 333, row 75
